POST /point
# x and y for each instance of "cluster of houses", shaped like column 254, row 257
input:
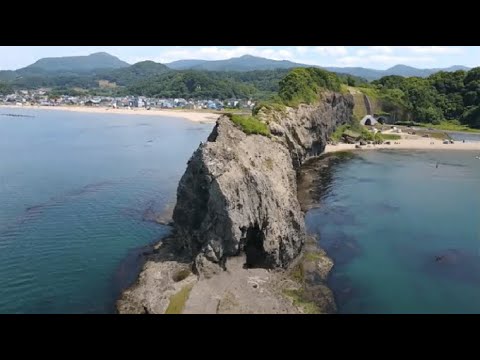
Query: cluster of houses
column 42, row 98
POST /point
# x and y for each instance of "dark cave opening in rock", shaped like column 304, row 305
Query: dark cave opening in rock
column 256, row 257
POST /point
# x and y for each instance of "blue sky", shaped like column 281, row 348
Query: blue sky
column 377, row 57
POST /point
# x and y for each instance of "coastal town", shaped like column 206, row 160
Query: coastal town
column 42, row 97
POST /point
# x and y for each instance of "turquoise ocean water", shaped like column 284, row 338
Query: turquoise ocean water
column 76, row 193
column 403, row 228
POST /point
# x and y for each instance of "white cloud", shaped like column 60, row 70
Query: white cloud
column 302, row 50
column 434, row 50
column 368, row 56
column 331, row 50
column 386, row 56
column 370, row 50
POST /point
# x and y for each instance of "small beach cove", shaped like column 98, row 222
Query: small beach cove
column 415, row 142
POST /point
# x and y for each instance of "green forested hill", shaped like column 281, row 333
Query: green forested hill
column 443, row 96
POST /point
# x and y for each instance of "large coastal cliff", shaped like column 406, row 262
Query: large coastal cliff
column 239, row 192
column 238, row 200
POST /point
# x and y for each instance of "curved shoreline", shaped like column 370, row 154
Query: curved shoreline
column 190, row 115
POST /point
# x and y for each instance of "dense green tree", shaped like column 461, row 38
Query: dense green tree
column 472, row 117
column 441, row 96
column 302, row 85
column 5, row 89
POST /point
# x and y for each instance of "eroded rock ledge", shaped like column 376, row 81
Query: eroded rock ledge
column 237, row 205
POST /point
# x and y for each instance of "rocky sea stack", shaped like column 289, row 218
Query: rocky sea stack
column 238, row 200
column 239, row 192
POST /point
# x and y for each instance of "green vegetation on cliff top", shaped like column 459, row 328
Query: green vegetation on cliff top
column 302, row 86
column 250, row 124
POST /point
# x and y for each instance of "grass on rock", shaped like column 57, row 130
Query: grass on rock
column 178, row 300
column 250, row 125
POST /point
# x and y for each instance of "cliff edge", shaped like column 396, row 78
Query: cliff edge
column 238, row 217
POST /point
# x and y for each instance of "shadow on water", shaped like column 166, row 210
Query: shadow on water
column 341, row 247
column 362, row 179
column 128, row 270
column 315, row 178
column 18, row 115
column 339, row 215
column 316, row 184
column 320, row 216
column 384, row 207
column 154, row 211
column 87, row 189
column 33, row 212
column 344, row 291
column 452, row 164
column 454, row 265
column 117, row 126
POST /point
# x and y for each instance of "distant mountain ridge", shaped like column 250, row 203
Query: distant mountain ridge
column 102, row 64
column 242, row 63
column 66, row 66
column 251, row 63
column 90, row 62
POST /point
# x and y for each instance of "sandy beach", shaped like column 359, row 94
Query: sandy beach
column 191, row 115
column 410, row 142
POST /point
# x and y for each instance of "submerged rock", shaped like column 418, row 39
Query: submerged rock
column 454, row 264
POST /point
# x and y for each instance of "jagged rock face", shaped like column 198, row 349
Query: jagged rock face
column 239, row 192
column 305, row 130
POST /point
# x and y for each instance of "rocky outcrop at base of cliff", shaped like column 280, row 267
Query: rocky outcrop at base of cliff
column 238, row 200
column 167, row 286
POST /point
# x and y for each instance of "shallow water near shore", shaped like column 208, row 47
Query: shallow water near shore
column 78, row 194
column 464, row 136
column 403, row 229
